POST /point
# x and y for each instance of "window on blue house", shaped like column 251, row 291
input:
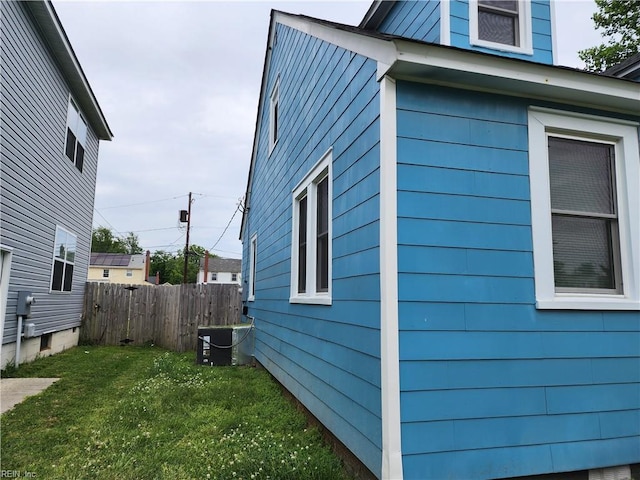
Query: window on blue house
column 76, row 136
column 64, row 254
column 584, row 179
column 501, row 24
column 311, row 239
column 253, row 262
column 274, row 112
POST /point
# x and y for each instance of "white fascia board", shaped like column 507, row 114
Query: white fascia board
column 382, row 51
column 435, row 64
column 389, row 317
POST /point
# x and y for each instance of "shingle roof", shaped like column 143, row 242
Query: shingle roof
column 217, row 264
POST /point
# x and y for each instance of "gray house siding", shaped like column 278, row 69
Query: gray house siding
column 41, row 188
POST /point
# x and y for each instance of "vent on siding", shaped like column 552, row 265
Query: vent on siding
column 612, row 473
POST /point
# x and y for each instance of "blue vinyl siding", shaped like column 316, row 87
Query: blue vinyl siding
column 419, row 20
column 540, row 26
column 491, row 387
column 327, row 356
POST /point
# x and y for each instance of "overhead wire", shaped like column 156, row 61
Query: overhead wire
column 226, row 228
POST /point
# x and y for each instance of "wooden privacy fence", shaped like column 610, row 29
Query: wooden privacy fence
column 165, row 315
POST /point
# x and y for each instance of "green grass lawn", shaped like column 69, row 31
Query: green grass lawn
column 145, row 413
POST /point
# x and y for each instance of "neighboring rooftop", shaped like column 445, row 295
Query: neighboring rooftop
column 217, row 264
column 116, row 260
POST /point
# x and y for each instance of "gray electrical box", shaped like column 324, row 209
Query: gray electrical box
column 25, row 300
column 29, row 330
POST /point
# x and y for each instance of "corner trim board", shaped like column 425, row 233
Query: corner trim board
column 389, row 335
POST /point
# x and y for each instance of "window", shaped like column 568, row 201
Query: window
column 585, row 180
column 129, row 273
column 501, row 24
column 234, row 277
column 311, row 241
column 105, row 273
column 253, row 258
column 64, row 252
column 214, row 276
column 274, row 111
column 76, row 136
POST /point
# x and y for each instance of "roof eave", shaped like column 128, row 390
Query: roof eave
column 468, row 69
column 57, row 41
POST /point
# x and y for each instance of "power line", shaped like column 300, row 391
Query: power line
column 226, row 228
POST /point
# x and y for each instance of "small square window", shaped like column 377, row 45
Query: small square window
column 129, row 273
column 214, row 276
column 234, row 277
column 501, row 24
column 105, row 273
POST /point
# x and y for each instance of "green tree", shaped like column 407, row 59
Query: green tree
column 131, row 244
column 104, row 241
column 170, row 266
column 620, row 20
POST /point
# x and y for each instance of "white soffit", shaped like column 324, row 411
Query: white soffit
column 455, row 67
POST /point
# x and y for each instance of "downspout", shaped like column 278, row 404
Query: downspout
column 18, row 341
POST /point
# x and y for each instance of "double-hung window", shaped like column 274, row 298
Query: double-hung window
column 311, row 236
column 501, row 24
column 76, row 137
column 585, row 180
column 64, row 254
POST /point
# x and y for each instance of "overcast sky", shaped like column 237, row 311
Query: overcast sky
column 179, row 83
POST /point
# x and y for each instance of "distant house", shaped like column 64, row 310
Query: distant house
column 441, row 242
column 119, row 268
column 50, row 130
column 220, row 270
column 630, row 68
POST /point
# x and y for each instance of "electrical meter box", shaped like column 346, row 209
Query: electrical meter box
column 228, row 345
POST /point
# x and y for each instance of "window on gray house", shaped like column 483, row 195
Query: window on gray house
column 64, row 253
column 76, row 136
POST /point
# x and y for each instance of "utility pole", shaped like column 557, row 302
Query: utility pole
column 186, row 248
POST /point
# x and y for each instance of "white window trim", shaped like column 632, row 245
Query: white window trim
column 274, row 124
column 624, row 136
column 525, row 33
column 253, row 257
column 53, row 261
column 323, row 168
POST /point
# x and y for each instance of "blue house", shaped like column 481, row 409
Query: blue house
column 442, row 242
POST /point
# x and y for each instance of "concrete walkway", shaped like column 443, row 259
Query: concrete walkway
column 15, row 390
